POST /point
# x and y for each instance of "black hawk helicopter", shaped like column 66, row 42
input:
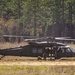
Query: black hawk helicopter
column 45, row 47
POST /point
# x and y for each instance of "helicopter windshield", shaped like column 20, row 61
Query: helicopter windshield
column 72, row 50
column 66, row 49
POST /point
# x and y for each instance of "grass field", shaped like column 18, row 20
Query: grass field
column 37, row 70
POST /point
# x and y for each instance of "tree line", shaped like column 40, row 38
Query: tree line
column 37, row 17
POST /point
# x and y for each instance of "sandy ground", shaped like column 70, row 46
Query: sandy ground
column 38, row 63
column 32, row 61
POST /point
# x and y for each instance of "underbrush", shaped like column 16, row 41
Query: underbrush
column 37, row 70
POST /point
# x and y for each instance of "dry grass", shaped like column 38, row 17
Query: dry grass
column 37, row 70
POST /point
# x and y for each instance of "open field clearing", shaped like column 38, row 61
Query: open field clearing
column 37, row 70
column 38, row 63
column 32, row 61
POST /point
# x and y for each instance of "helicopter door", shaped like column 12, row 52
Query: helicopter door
column 63, row 54
column 66, row 52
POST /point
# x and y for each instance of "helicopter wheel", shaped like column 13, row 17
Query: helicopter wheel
column 39, row 58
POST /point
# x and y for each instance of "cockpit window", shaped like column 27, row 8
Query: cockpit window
column 34, row 50
column 68, row 50
column 72, row 49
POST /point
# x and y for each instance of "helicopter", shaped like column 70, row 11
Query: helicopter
column 41, row 47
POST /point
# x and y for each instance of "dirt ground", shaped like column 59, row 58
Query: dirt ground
column 32, row 61
column 38, row 63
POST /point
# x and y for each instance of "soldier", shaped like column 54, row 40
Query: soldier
column 55, row 52
column 47, row 52
column 44, row 55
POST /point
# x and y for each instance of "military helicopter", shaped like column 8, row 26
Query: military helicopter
column 41, row 47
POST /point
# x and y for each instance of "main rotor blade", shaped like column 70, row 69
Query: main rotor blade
column 61, row 39
column 15, row 36
column 35, row 38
